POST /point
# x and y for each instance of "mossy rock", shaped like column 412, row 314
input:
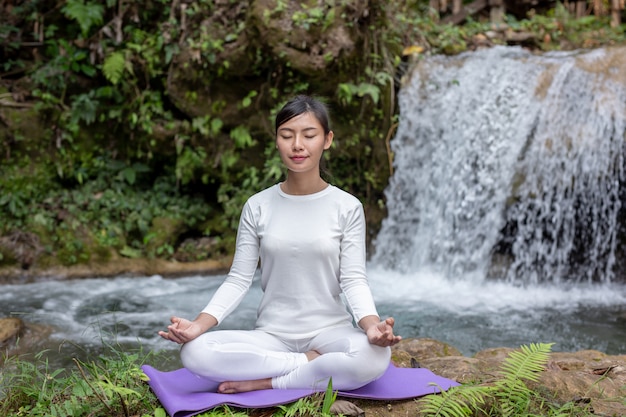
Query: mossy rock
column 7, row 258
column 163, row 235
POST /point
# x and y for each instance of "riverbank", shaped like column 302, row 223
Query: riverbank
column 583, row 384
column 115, row 268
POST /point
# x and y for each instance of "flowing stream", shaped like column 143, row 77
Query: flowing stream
column 503, row 224
column 128, row 311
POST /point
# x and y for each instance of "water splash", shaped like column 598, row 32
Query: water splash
column 501, row 150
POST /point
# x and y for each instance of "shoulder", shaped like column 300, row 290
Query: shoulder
column 263, row 196
column 344, row 198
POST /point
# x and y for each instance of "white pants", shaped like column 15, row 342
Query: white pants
column 242, row 355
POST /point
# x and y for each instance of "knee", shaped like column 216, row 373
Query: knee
column 196, row 357
column 379, row 362
column 373, row 363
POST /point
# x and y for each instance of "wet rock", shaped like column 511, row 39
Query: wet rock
column 18, row 337
column 10, row 330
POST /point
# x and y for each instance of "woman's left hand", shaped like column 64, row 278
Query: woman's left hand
column 381, row 333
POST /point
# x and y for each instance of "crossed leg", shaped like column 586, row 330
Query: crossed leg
column 247, row 360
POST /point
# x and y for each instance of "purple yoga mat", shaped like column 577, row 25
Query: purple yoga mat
column 180, row 391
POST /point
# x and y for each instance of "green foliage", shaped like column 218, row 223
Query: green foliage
column 112, row 385
column 113, row 67
column 100, row 79
column 86, row 14
column 115, row 209
column 511, row 391
column 508, row 396
column 456, row 402
column 330, row 397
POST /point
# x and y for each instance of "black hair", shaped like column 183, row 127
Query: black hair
column 304, row 104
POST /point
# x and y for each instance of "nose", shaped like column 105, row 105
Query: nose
column 297, row 142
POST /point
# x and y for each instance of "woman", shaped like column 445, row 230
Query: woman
column 310, row 239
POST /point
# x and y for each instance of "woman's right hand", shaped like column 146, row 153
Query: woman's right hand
column 183, row 330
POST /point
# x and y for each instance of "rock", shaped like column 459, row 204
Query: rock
column 424, row 348
column 458, row 368
column 10, row 329
column 310, row 39
column 588, row 377
column 346, row 408
column 18, row 337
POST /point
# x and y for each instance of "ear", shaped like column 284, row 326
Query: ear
column 329, row 140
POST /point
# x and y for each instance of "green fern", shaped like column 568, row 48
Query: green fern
column 113, row 67
column 86, row 14
column 512, row 393
column 508, row 396
column 458, row 401
column 526, row 363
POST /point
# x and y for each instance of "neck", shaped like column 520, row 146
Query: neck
column 297, row 185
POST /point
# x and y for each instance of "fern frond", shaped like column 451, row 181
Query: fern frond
column 526, row 363
column 86, row 14
column 113, row 67
column 507, row 397
column 513, row 395
column 458, row 401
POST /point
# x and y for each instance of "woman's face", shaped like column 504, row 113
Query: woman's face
column 301, row 142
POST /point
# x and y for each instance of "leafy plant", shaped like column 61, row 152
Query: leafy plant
column 508, row 396
column 113, row 67
column 512, row 393
column 330, row 397
column 112, row 385
column 98, row 74
column 86, row 14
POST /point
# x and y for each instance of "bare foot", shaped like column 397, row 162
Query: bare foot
column 312, row 354
column 232, row 387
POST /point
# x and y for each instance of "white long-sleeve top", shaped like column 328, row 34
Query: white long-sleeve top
column 311, row 249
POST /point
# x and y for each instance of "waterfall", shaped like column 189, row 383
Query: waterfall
column 508, row 164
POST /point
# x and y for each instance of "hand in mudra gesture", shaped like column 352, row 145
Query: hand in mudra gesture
column 182, row 330
column 381, row 334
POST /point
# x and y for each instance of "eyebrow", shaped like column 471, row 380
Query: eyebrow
column 293, row 130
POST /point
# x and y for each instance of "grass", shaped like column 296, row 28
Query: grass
column 111, row 384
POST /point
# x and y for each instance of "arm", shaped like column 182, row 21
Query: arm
column 355, row 286
column 230, row 293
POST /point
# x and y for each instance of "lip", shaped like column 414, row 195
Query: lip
column 297, row 158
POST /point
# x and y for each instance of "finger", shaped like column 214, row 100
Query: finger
column 175, row 332
column 169, row 336
column 176, row 338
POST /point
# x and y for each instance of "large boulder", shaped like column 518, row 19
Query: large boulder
column 213, row 77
